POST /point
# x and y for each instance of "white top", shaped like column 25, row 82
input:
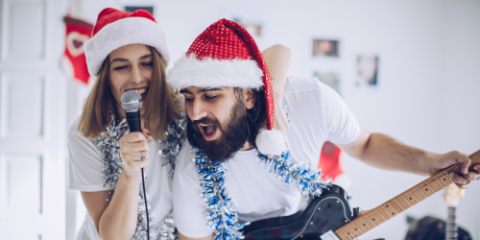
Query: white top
column 87, row 175
column 317, row 114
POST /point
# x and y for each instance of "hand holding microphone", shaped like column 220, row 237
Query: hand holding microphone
column 134, row 147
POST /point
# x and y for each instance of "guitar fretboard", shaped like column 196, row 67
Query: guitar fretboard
column 391, row 208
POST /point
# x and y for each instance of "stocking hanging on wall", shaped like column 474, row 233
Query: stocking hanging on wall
column 73, row 62
column 330, row 165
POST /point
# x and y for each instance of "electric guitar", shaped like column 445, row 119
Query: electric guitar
column 452, row 197
column 329, row 216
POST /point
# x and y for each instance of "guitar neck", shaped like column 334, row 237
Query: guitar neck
column 451, row 226
column 391, row 208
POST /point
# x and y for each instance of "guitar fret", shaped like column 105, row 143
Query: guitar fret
column 356, row 227
column 386, row 211
column 341, row 232
column 413, row 195
column 381, row 214
column 456, row 167
column 422, row 192
column 439, row 181
column 366, row 222
column 430, row 186
column 406, row 200
column 403, row 209
column 446, row 173
column 353, row 232
column 373, row 219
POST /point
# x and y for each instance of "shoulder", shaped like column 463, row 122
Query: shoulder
column 79, row 144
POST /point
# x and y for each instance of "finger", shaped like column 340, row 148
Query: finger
column 147, row 134
column 476, row 168
column 466, row 186
column 132, row 137
column 269, row 155
column 464, row 160
column 135, row 147
column 472, row 176
column 458, row 179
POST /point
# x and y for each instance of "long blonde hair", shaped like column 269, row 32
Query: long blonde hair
column 163, row 103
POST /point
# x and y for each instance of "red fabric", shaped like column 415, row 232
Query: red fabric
column 226, row 40
column 330, row 161
column 77, row 32
column 110, row 15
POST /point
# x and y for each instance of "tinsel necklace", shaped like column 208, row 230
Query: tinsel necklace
column 109, row 146
column 220, row 214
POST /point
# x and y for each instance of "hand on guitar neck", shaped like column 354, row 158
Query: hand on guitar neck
column 467, row 170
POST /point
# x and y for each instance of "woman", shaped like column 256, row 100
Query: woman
column 128, row 53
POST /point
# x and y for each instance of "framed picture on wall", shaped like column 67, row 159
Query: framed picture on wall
column 134, row 8
column 332, row 79
column 367, row 70
column 326, row 47
column 253, row 27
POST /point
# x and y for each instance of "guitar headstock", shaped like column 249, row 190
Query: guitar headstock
column 453, row 194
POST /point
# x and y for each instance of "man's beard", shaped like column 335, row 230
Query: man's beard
column 234, row 135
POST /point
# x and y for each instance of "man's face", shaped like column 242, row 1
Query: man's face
column 217, row 120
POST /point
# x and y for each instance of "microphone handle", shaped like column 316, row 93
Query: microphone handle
column 133, row 119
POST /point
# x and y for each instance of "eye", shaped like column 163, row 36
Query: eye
column 210, row 97
column 148, row 64
column 120, row 67
column 189, row 99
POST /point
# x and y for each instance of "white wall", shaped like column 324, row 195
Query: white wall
column 428, row 77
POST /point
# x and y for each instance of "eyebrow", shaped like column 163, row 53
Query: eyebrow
column 202, row 90
column 126, row 60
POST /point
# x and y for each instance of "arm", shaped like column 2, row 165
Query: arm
column 278, row 58
column 384, row 152
column 117, row 218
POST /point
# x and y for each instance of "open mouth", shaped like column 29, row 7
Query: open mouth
column 208, row 131
column 142, row 91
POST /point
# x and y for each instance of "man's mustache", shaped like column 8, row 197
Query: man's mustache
column 205, row 120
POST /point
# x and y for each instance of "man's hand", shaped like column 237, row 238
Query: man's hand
column 467, row 173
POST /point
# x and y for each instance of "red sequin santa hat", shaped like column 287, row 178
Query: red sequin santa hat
column 226, row 55
column 115, row 28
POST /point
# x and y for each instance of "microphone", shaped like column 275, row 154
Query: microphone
column 132, row 102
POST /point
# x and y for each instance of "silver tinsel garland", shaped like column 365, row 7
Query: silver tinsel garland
column 109, row 146
column 220, row 214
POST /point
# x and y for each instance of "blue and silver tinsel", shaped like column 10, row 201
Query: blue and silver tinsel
column 221, row 216
column 109, row 146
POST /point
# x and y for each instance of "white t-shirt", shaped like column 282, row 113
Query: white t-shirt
column 87, row 175
column 317, row 114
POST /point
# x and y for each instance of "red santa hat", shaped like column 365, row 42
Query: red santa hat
column 115, row 28
column 225, row 55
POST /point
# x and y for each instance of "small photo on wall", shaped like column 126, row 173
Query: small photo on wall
column 367, row 70
column 252, row 27
column 329, row 78
column 135, row 8
column 326, row 48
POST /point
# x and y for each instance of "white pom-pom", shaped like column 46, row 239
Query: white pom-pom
column 270, row 142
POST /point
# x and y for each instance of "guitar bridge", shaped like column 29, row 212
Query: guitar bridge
column 329, row 236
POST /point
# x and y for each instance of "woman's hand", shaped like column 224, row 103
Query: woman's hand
column 133, row 147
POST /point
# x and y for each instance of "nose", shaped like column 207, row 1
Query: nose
column 136, row 75
column 198, row 110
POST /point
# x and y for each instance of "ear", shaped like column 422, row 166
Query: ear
column 249, row 97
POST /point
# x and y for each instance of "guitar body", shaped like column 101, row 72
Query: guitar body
column 327, row 212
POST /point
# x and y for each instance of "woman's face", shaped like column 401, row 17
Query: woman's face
column 130, row 70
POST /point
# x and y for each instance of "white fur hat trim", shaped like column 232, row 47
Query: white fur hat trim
column 208, row 72
column 132, row 30
column 270, row 142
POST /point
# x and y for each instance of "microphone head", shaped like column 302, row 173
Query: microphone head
column 131, row 101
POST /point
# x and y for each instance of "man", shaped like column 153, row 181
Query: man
column 229, row 103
